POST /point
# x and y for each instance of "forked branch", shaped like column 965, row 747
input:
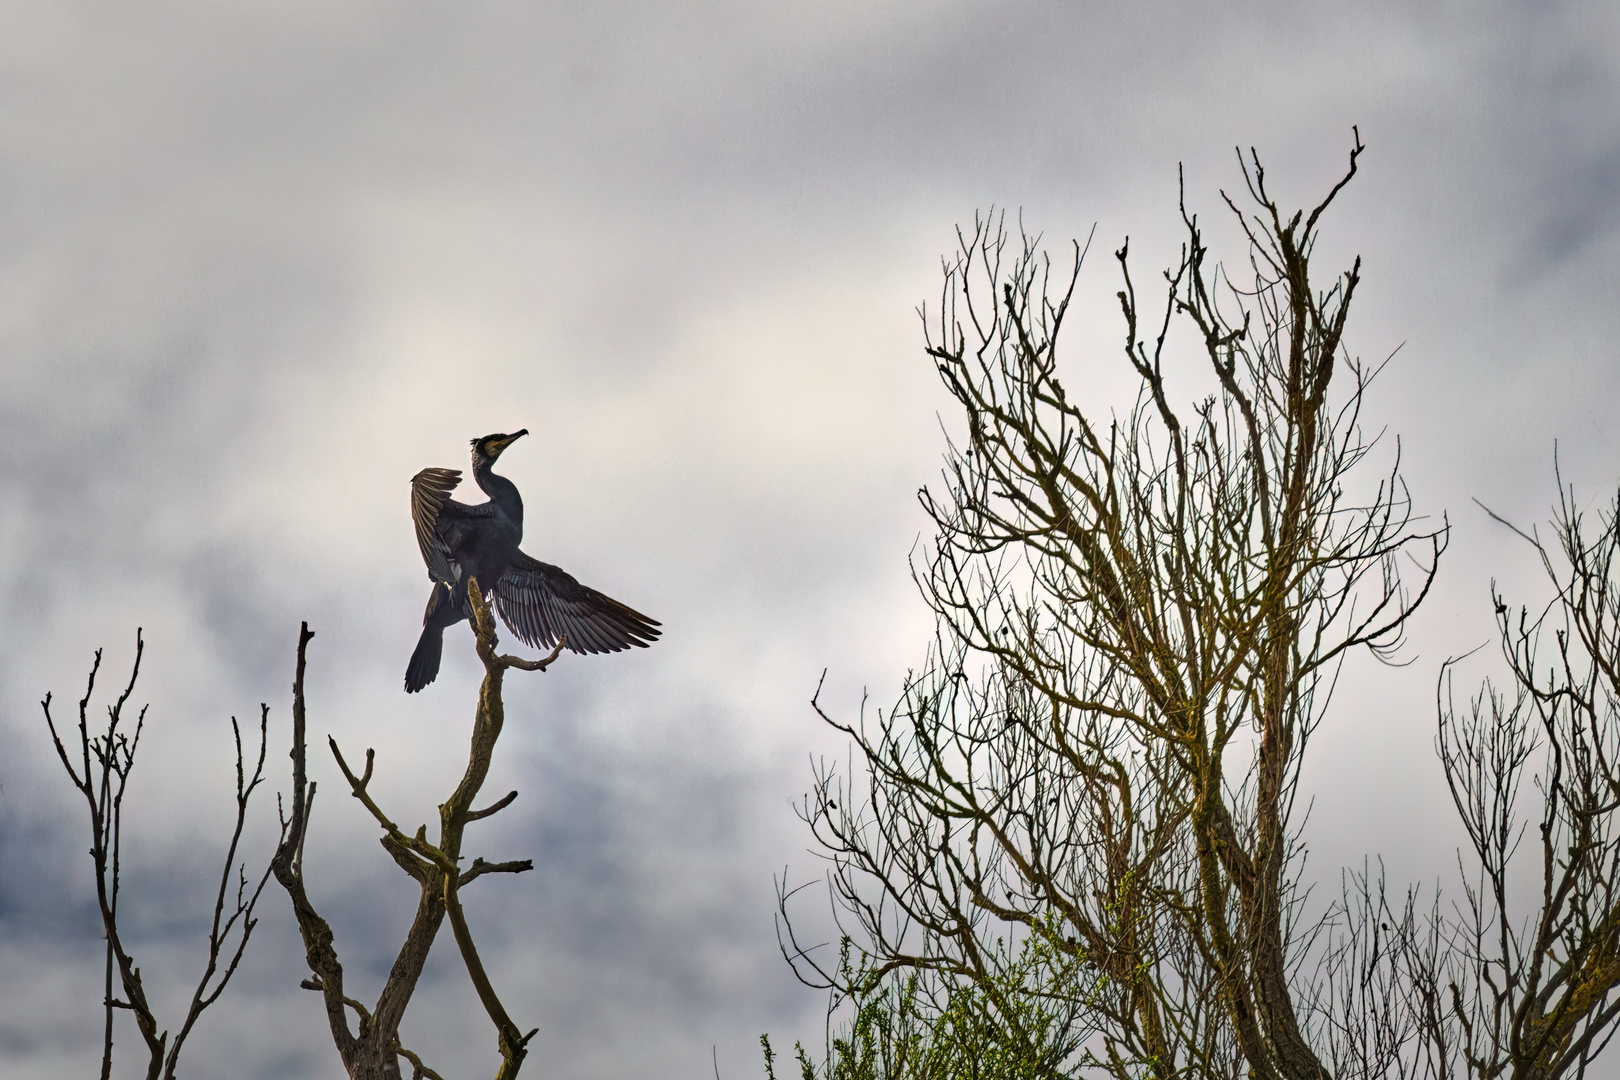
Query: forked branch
column 374, row 1050
column 106, row 759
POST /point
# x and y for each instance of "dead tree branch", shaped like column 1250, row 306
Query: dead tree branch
column 373, row 1049
column 106, row 759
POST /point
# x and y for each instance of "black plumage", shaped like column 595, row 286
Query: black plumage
column 537, row 601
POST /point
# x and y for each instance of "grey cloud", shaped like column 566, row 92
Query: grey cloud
column 259, row 266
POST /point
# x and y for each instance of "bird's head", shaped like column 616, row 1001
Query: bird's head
column 490, row 446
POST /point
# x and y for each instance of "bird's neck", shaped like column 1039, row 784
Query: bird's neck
column 501, row 491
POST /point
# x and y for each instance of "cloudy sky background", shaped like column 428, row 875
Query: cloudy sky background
column 259, row 264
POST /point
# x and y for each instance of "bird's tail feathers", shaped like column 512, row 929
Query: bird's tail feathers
column 424, row 665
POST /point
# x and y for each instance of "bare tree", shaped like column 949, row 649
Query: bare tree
column 1139, row 624
column 371, row 1049
column 106, row 759
column 1525, row 985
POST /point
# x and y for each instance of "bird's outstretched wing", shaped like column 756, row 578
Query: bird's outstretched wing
column 540, row 602
column 430, row 489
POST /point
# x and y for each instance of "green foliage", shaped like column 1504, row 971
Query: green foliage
column 1018, row 1022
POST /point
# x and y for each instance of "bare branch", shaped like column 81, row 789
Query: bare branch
column 106, row 760
column 494, row 808
column 479, row 868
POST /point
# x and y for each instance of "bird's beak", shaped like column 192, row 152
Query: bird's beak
column 496, row 448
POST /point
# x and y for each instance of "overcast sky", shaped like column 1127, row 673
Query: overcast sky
column 261, row 263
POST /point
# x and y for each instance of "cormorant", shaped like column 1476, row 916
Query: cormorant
column 537, row 601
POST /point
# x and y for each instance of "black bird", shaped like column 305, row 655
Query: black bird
column 537, row 601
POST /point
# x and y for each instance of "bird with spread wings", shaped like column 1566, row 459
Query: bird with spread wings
column 539, row 602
